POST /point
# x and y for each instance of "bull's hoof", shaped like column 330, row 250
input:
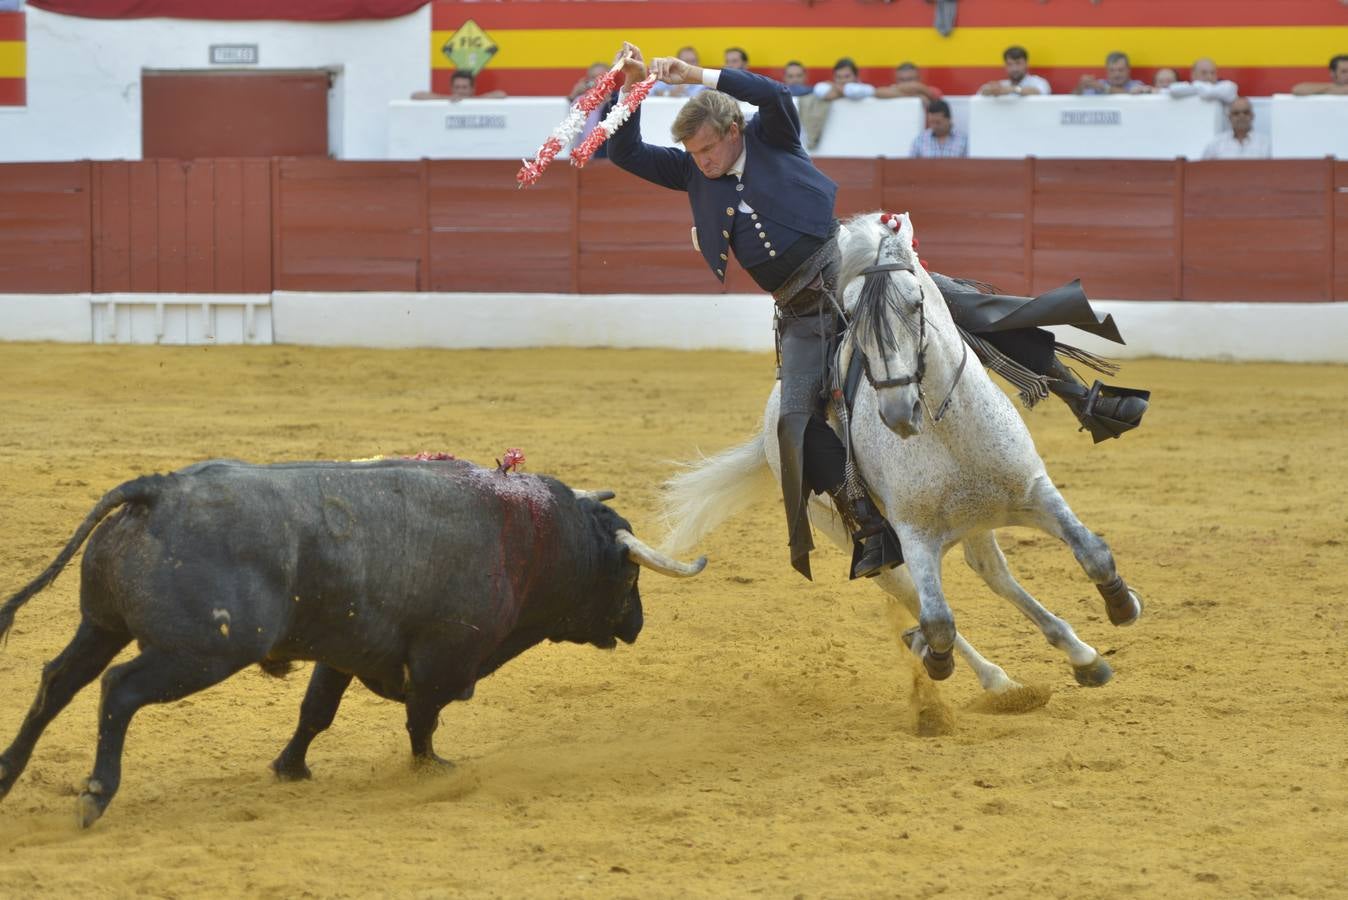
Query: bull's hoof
column 1095, row 673
column 287, row 772
column 939, row 666
column 1122, row 603
column 431, row 763
column 5, row 781
column 90, row 805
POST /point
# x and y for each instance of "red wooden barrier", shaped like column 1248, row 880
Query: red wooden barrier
column 349, row 226
column 1339, row 222
column 1140, row 230
column 634, row 237
column 969, row 215
column 1110, row 223
column 485, row 232
column 1258, row 230
column 44, row 228
column 175, row 226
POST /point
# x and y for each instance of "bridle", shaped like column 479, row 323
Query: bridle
column 890, row 380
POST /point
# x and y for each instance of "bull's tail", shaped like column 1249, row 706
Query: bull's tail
column 712, row 490
column 139, row 490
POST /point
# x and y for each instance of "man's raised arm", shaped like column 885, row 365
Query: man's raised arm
column 777, row 109
column 665, row 166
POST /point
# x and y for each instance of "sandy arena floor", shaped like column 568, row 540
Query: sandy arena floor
column 759, row 738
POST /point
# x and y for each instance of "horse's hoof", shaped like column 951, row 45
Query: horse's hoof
column 1018, row 698
column 1095, row 673
column 910, row 637
column 939, row 666
column 1122, row 603
column 90, row 805
column 286, row 772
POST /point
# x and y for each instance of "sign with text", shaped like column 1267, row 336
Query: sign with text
column 234, row 54
column 1091, row 117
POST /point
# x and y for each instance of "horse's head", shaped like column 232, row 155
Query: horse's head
column 889, row 298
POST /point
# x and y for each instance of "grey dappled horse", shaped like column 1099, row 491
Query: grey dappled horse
column 942, row 450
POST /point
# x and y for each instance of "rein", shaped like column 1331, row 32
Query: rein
column 921, row 368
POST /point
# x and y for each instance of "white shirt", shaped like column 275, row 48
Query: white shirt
column 1031, row 81
column 1224, row 91
column 1255, row 146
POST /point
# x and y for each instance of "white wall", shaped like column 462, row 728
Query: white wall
column 1276, row 332
column 84, row 77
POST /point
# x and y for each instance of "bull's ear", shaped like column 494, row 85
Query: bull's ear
column 650, row 558
column 601, row 496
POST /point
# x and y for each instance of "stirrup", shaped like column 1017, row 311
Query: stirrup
column 1089, row 410
column 872, row 555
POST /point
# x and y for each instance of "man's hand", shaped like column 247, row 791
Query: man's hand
column 672, row 70
column 634, row 66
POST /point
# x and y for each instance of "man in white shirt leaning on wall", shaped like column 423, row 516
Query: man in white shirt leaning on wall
column 1242, row 142
column 1018, row 80
column 1203, row 82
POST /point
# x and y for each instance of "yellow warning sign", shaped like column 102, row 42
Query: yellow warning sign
column 470, row 48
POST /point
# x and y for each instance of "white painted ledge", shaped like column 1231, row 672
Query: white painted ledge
column 1274, row 332
column 461, row 321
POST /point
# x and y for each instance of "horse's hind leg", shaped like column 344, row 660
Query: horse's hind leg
column 899, row 585
column 88, row 652
column 1053, row 515
column 985, row 557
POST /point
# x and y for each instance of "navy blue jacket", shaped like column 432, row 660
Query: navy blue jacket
column 789, row 195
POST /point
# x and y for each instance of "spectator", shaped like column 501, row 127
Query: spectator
column 1118, row 78
column 1203, row 83
column 940, row 140
column 661, row 89
column 1018, row 79
column 794, row 77
column 846, row 83
column 736, row 58
column 1242, row 142
column 462, row 86
column 908, row 83
column 1164, row 79
column 587, row 81
column 1337, row 84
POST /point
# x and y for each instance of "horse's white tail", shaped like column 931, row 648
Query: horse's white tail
column 712, row 490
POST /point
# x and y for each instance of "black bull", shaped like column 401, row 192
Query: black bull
column 416, row 577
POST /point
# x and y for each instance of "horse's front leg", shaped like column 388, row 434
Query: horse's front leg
column 1051, row 513
column 922, row 554
column 899, row 585
column 985, row 557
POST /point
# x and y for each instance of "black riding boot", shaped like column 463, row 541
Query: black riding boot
column 875, row 546
column 1104, row 411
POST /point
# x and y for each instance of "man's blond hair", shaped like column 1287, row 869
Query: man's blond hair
column 709, row 107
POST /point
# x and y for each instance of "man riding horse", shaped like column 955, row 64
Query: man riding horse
column 755, row 192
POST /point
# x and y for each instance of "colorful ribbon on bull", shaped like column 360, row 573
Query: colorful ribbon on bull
column 574, row 122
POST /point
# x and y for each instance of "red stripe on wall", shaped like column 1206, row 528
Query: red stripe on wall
column 11, row 26
column 13, row 92
column 1253, row 82
column 450, row 14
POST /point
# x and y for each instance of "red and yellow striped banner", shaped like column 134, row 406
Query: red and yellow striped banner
column 13, row 60
column 542, row 46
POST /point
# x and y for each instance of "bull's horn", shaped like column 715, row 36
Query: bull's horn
column 653, row 559
column 601, row 496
